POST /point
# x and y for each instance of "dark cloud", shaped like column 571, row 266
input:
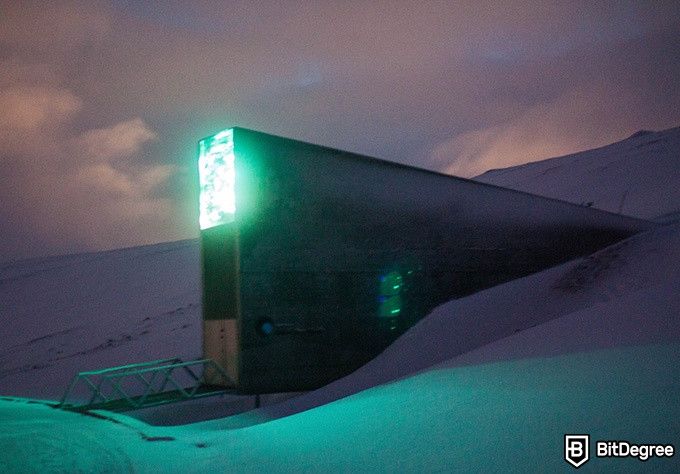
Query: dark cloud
column 101, row 103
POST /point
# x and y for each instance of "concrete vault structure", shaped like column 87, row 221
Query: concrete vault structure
column 315, row 259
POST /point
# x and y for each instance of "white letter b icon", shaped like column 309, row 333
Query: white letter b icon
column 576, row 449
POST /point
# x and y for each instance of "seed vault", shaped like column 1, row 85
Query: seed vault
column 315, row 259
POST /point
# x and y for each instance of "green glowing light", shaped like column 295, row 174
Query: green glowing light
column 390, row 296
column 217, row 177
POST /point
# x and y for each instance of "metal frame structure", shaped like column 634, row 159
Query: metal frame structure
column 160, row 382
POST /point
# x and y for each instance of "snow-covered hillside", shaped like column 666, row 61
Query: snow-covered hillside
column 639, row 176
column 623, row 295
column 502, row 417
column 486, row 383
column 65, row 314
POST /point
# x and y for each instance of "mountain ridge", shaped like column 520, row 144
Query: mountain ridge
column 638, row 176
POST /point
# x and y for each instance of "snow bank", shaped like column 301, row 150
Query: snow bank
column 487, row 383
column 501, row 417
column 623, row 295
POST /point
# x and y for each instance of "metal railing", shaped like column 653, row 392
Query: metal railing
column 157, row 382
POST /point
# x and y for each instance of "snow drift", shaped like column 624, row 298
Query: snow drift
column 487, row 383
column 605, row 364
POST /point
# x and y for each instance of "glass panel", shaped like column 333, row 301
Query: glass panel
column 217, row 177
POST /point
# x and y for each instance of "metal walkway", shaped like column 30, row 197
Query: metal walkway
column 134, row 386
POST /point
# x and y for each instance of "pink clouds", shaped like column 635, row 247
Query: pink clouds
column 29, row 115
column 102, row 103
column 84, row 188
column 119, row 140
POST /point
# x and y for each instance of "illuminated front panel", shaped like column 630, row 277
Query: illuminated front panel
column 217, row 178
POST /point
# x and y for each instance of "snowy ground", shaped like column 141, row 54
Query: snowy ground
column 625, row 294
column 487, row 383
column 499, row 417
column 89, row 311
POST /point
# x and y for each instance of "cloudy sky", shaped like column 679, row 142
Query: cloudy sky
column 102, row 103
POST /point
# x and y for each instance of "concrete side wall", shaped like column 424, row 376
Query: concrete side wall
column 219, row 261
column 220, row 343
column 319, row 228
column 221, row 296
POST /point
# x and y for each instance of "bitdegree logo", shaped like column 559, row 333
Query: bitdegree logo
column 623, row 449
column 576, row 450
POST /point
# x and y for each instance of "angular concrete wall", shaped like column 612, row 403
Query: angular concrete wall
column 321, row 235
